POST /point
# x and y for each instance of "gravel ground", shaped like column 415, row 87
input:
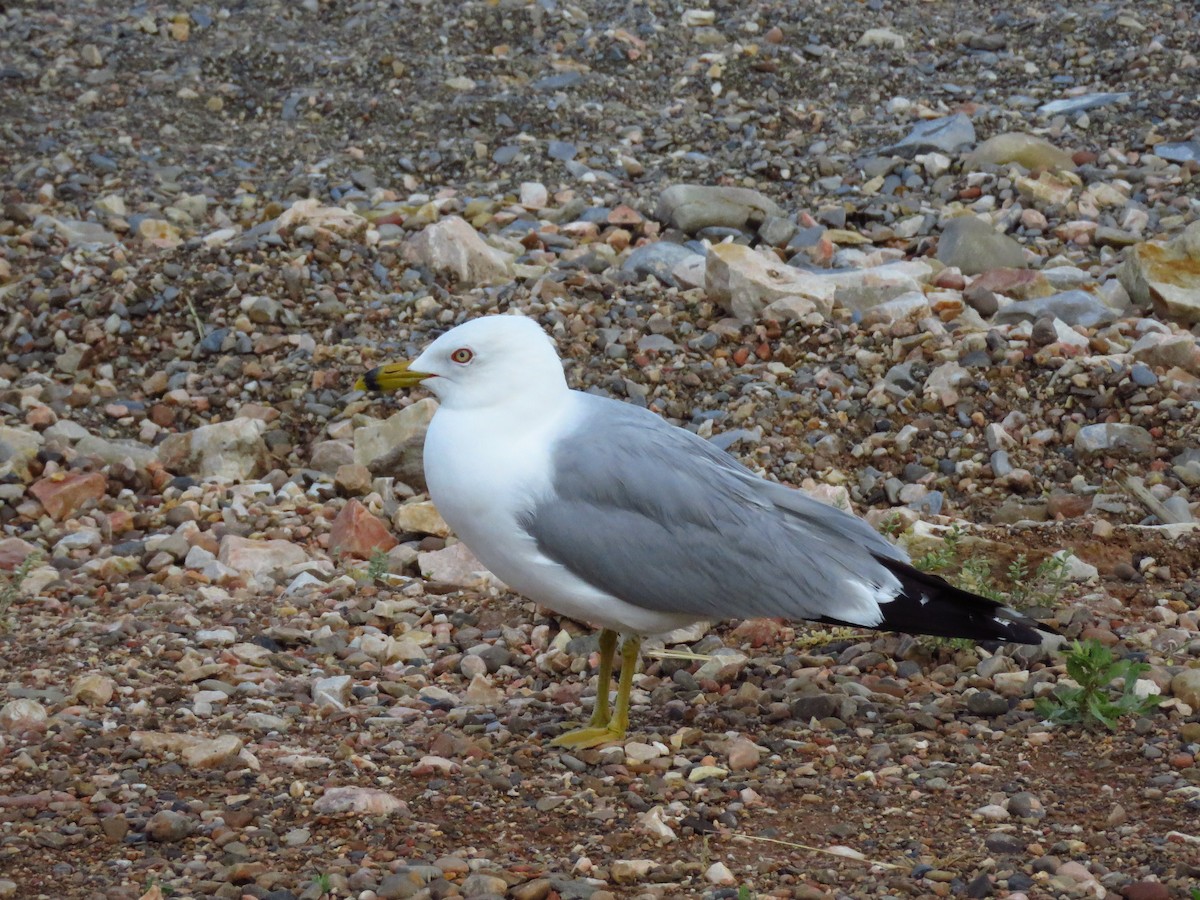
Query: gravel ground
column 937, row 261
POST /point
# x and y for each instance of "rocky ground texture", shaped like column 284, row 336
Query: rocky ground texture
column 939, row 261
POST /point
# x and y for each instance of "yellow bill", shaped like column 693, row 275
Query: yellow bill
column 390, row 377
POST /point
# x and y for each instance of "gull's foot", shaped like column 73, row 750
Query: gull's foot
column 592, row 736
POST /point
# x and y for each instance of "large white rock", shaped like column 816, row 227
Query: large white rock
column 746, row 282
column 395, row 446
column 452, row 247
column 233, row 450
column 690, row 207
column 1167, row 275
column 253, row 558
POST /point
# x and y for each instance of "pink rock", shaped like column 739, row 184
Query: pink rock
column 1146, row 890
column 1020, row 284
column 455, row 565
column 14, row 551
column 251, row 557
column 743, row 754
column 61, row 496
column 366, row 801
column 763, row 632
column 356, row 532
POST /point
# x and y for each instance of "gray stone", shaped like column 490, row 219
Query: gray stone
column 168, row 827
column 329, row 456
column 1072, row 105
column 1180, row 152
column 973, row 246
column 816, row 706
column 987, row 703
column 690, row 207
column 946, row 135
column 112, row 452
column 1072, row 307
column 660, row 259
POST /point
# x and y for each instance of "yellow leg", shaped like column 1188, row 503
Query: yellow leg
column 603, row 728
column 619, row 723
column 608, row 648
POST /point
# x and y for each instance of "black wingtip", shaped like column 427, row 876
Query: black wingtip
column 928, row 604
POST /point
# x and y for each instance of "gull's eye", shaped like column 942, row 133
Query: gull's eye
column 462, row 356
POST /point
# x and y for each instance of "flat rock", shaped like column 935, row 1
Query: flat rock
column 690, row 207
column 972, row 245
column 882, row 37
column 948, row 134
column 1019, row 284
column 117, row 451
column 362, row 800
column 452, row 247
column 259, row 557
column 1023, row 149
column 62, row 494
column 1083, row 102
column 1179, row 151
column 1114, row 437
column 233, row 450
column 358, row 532
column 420, row 517
column 196, row 752
column 661, row 259
column 1072, row 307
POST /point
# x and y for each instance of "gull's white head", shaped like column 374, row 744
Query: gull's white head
column 484, row 362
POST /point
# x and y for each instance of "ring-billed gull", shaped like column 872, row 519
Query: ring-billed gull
column 607, row 513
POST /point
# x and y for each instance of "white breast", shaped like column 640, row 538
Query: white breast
column 483, row 477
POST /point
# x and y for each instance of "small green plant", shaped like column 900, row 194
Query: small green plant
column 324, row 882
column 944, row 557
column 892, row 526
column 1093, row 668
column 1040, row 586
column 153, row 880
column 377, row 565
column 744, row 893
column 10, row 586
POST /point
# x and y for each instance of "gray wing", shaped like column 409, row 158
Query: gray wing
column 660, row 518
